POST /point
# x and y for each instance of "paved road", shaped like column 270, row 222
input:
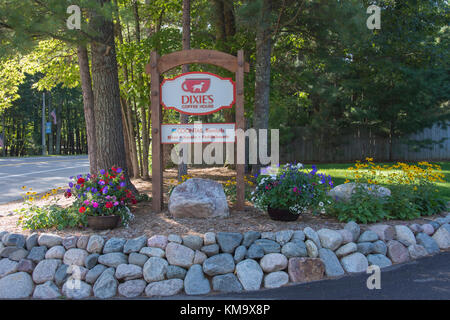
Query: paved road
column 423, row 279
column 39, row 173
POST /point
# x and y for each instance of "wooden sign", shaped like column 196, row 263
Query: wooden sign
column 198, row 93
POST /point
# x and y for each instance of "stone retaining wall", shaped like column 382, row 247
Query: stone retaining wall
column 47, row 266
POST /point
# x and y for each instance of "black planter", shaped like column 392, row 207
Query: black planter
column 103, row 222
column 281, row 214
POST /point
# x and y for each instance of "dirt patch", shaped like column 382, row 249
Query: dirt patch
column 148, row 223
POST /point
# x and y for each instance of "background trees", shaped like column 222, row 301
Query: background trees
column 314, row 66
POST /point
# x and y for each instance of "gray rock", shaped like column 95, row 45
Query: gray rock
column 311, row 249
column 158, row 241
column 239, row 254
column 49, row 240
column 47, row 291
column 37, row 254
column 112, row 259
column 199, row 257
column 284, row 236
column 137, row 259
column 379, row 260
column 368, row 236
column 128, row 272
column 3, row 234
column 397, row 252
column 250, row 237
column 226, row 283
column 441, row 221
column 365, row 248
column 114, row 245
column 198, row 198
column 294, row 249
column 70, row 242
column 56, row 252
column 174, row 272
column 7, row 266
column 155, row 269
column 18, row 255
column 434, row 224
column 269, row 246
column 298, row 235
column 442, row 236
column 329, row 239
column 95, row 244
column 82, row 242
column 219, row 264
column 16, row 286
column 32, row 241
column 415, row 228
column 313, row 236
column 7, row 251
column 354, row 228
column 428, row 243
column 255, row 252
column 193, row 242
column 276, row 279
column 379, row 247
column 346, row 249
column 228, row 241
column 343, row 192
column 427, row 229
column 134, row 245
column 26, row 265
column 75, row 256
column 14, row 240
column 249, row 274
column 153, row 252
column 209, row 238
column 273, row 262
column 175, row 238
column 417, row 251
column 347, row 236
column 61, row 274
column 404, row 235
column 94, row 273
column 45, row 270
column 164, row 288
column 332, row 266
column 132, row 288
column 210, row 250
column 77, row 272
column 195, row 282
column 91, row 260
column 106, row 285
column 383, row 231
column 268, row 235
column 76, row 289
column 354, row 263
column 179, row 255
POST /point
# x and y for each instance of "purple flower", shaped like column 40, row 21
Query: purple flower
column 71, row 184
column 69, row 190
column 105, row 190
column 94, row 190
column 116, row 204
column 123, row 184
column 119, row 170
column 102, row 171
column 101, row 182
column 78, row 187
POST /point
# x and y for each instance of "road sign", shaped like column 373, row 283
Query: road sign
column 48, row 127
column 198, row 133
column 198, row 93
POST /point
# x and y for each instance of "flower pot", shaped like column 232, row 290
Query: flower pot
column 103, row 222
column 281, row 214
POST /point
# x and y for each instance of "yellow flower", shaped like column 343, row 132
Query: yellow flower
column 347, row 181
column 24, row 187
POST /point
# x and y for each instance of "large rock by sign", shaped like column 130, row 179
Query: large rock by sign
column 344, row 191
column 198, row 198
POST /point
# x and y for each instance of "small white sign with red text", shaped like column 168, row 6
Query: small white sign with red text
column 198, row 133
column 198, row 93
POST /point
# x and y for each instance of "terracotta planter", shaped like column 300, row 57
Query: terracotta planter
column 103, row 222
column 281, row 214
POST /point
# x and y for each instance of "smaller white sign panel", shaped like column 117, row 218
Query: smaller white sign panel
column 198, row 133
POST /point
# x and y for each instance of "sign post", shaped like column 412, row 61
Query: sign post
column 195, row 93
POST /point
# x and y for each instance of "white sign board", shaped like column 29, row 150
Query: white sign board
column 198, row 133
column 198, row 93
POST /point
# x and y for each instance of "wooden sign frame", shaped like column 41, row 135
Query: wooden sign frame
column 159, row 65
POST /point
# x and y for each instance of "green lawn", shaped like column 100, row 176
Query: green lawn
column 339, row 173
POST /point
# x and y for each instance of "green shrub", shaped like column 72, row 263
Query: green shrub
column 50, row 216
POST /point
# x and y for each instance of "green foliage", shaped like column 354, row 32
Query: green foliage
column 50, row 216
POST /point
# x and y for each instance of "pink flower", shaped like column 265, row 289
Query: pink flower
column 86, row 202
column 95, row 204
column 116, row 204
column 295, row 189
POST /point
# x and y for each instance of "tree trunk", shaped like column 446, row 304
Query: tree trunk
column 109, row 130
column 184, row 118
column 262, row 72
column 88, row 104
